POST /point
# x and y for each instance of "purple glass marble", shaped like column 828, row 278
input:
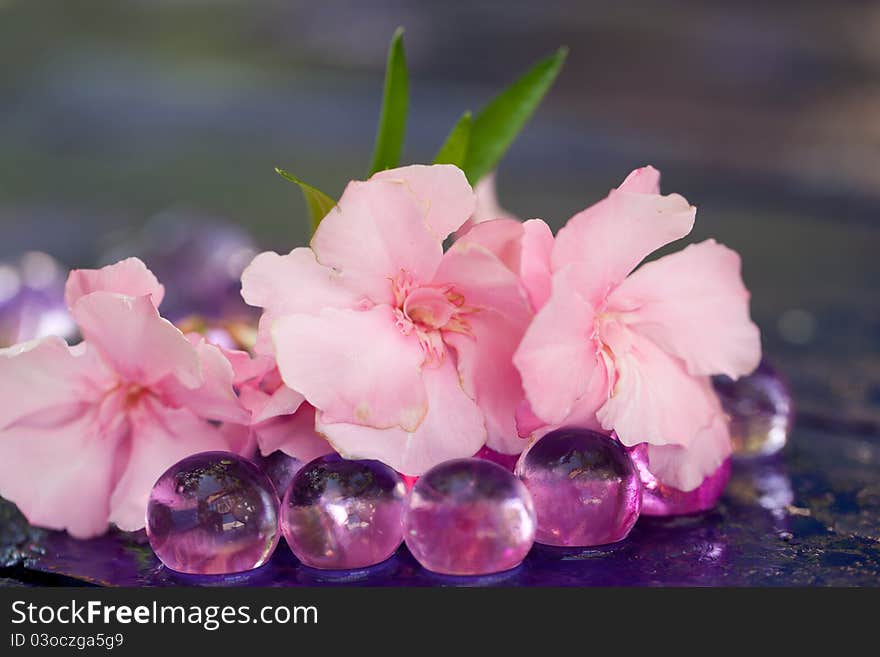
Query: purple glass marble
column 469, row 517
column 661, row 500
column 213, row 513
column 760, row 411
column 339, row 514
column 585, row 487
column 280, row 468
column 32, row 300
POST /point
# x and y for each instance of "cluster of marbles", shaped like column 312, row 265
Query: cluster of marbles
column 215, row 512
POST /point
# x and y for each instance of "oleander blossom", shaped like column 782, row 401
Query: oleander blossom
column 632, row 351
column 281, row 418
column 88, row 429
column 404, row 351
column 487, row 207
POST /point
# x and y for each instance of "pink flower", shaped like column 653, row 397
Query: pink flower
column 487, row 207
column 281, row 419
column 86, row 430
column 632, row 351
column 391, row 340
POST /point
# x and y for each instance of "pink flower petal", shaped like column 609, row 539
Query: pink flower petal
column 484, row 281
column 129, row 277
column 645, row 180
column 557, row 357
column 453, row 428
column 60, row 477
column 685, row 468
column 377, row 230
column 441, row 190
column 535, row 261
column 608, row 240
column 487, row 207
column 264, row 406
column 47, row 377
column 160, row 437
column 693, row 304
column 654, row 400
column 294, row 283
column 140, row 345
column 245, row 367
column 294, row 435
column 502, row 237
column 215, row 399
column 524, row 248
column 488, row 376
column 356, row 366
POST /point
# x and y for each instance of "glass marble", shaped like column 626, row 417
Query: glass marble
column 213, row 513
column 342, row 514
column 469, row 517
column 585, row 487
column 661, row 500
column 760, row 411
column 280, row 468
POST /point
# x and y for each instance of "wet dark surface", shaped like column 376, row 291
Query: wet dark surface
column 810, row 517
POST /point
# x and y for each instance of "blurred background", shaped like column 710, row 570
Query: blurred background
column 122, row 121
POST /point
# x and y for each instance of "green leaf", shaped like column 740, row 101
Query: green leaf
column 454, row 149
column 498, row 124
column 395, row 103
column 318, row 203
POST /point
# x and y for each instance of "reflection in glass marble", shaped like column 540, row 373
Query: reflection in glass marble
column 469, row 517
column 213, row 513
column 659, row 499
column 759, row 408
column 585, row 488
column 341, row 514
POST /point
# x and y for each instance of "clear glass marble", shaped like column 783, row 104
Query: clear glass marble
column 340, row 514
column 760, row 411
column 469, row 517
column 213, row 513
column 585, row 488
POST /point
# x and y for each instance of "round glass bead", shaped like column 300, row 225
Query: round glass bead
column 659, row 499
column 341, row 514
column 759, row 409
column 469, row 517
column 213, row 513
column 585, row 487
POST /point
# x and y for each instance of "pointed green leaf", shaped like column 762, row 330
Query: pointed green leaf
column 497, row 125
column 318, row 203
column 395, row 103
column 454, row 149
